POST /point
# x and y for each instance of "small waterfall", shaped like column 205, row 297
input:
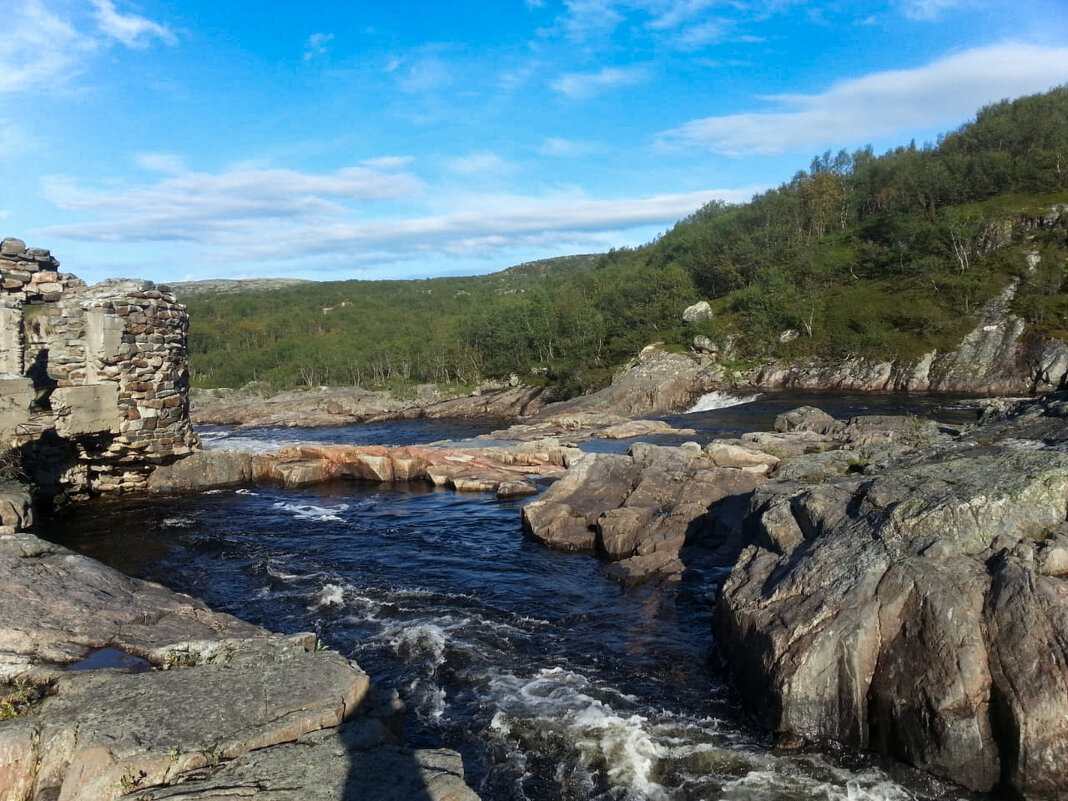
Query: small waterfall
column 720, row 400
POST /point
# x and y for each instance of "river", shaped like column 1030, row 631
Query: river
column 551, row 680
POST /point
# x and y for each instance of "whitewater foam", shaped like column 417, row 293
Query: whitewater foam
column 307, row 511
column 331, row 596
column 720, row 400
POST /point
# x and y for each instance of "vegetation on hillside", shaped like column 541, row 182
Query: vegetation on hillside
column 885, row 256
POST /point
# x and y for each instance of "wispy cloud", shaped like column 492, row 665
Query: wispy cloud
column 566, row 148
column 388, row 162
column 131, row 29
column 167, row 163
column 590, row 18
column 276, row 216
column 196, row 206
column 38, row 49
column 882, row 104
column 580, row 85
column 483, row 163
column 425, row 73
column 926, row 10
column 316, row 45
column 680, row 24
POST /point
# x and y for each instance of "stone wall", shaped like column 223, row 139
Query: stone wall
column 93, row 380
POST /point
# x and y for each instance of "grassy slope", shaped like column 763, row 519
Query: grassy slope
column 884, row 256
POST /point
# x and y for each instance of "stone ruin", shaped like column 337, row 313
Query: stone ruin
column 93, row 380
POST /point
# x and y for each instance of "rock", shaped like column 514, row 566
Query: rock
column 203, row 470
column 915, row 608
column 326, row 767
column 703, row 344
column 725, row 454
column 649, row 503
column 697, row 313
column 12, row 247
column 515, row 489
column 658, row 382
column 185, row 719
column 806, row 418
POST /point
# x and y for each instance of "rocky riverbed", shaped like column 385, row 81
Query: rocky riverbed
column 889, row 583
column 894, row 585
column 119, row 688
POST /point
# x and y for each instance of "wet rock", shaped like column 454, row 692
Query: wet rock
column 203, row 470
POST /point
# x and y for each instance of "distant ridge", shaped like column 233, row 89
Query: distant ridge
column 229, row 286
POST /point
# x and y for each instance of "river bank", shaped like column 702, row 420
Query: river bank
column 769, row 510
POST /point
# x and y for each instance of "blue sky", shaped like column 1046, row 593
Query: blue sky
column 173, row 139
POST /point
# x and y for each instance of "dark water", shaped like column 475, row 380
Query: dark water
column 552, row 681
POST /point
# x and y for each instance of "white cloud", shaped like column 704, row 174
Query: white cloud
column 130, row 29
column 5, row 213
column 161, row 162
column 926, row 10
column 424, row 73
column 882, row 104
column 590, row 18
column 579, row 85
column 388, row 162
column 316, row 45
column 38, row 49
column 566, row 148
column 196, row 206
column 681, row 24
column 283, row 216
column 483, row 163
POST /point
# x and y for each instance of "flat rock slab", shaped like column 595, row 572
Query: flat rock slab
column 481, row 469
column 102, row 733
column 326, row 766
column 56, row 606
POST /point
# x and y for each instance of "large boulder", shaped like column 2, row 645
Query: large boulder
column 916, row 606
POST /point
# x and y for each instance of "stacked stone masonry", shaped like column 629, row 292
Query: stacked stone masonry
column 98, row 375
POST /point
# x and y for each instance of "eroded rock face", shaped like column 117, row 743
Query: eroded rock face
column 503, row 470
column 916, row 605
column 641, row 509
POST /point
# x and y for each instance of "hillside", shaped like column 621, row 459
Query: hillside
column 884, row 256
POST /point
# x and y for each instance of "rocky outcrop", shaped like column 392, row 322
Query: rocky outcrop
column 93, row 380
column 505, row 471
column 639, row 510
column 913, row 599
column 335, row 406
column 657, row 382
column 994, row 358
column 582, row 426
column 140, row 692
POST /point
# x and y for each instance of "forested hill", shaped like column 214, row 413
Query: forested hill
column 885, row 255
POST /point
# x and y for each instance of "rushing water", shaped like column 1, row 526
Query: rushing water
column 551, row 680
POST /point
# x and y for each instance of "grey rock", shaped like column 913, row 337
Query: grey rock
column 703, row 344
column 697, row 313
column 12, row 247
column 917, row 608
column 326, row 767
